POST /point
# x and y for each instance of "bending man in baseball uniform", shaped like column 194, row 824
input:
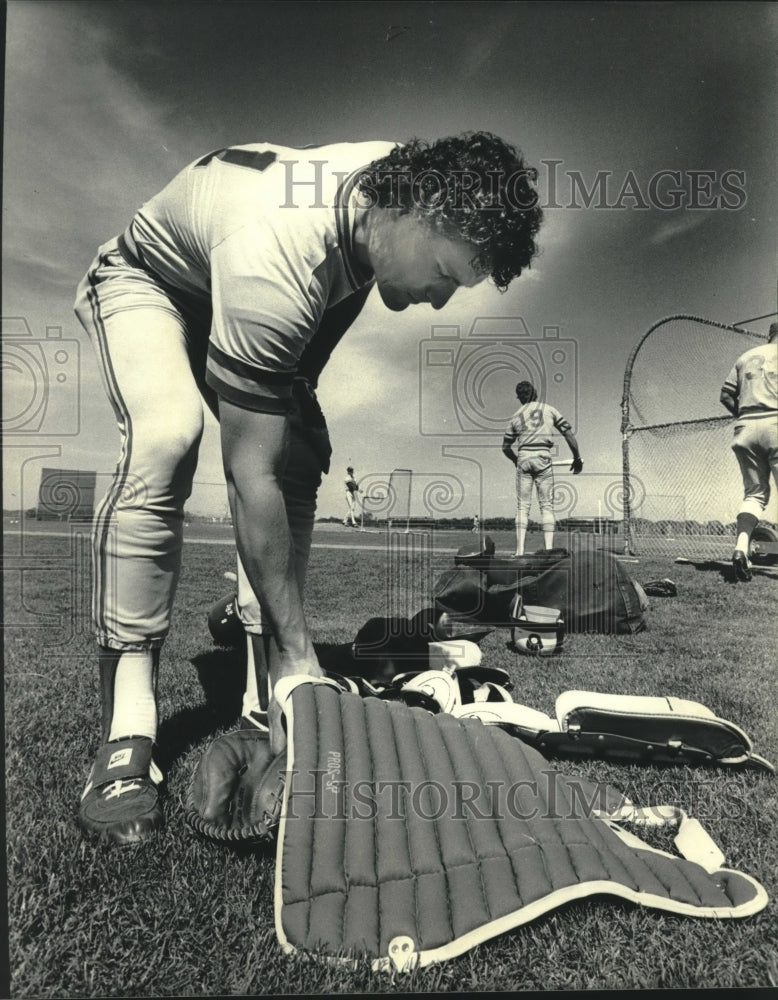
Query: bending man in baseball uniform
column 532, row 427
column 351, row 489
column 750, row 393
column 213, row 292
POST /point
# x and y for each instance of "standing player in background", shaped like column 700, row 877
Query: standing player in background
column 750, row 393
column 351, row 490
column 214, row 291
column 532, row 427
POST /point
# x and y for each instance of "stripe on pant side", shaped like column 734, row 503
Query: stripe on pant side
column 105, row 511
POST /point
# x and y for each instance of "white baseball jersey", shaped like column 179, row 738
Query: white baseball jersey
column 754, row 380
column 532, row 427
column 263, row 234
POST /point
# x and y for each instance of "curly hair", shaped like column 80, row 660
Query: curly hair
column 526, row 392
column 473, row 185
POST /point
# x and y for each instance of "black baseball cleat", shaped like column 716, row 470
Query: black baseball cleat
column 121, row 801
column 741, row 566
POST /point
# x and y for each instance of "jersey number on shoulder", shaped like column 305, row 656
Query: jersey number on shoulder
column 241, row 158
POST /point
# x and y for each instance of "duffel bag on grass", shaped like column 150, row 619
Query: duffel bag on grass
column 593, row 591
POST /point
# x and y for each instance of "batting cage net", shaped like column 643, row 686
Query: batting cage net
column 682, row 483
column 400, row 483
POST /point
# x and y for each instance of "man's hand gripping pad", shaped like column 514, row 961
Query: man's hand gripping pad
column 409, row 837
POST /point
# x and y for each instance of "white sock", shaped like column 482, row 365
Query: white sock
column 743, row 541
column 250, row 695
column 134, row 698
column 520, row 536
column 251, row 701
column 548, row 539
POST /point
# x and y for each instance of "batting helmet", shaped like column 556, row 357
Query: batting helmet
column 224, row 624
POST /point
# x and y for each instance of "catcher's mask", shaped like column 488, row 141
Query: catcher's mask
column 535, row 630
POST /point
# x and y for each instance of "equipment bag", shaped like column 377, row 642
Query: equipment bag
column 592, row 589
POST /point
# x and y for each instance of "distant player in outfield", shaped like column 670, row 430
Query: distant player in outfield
column 216, row 291
column 531, row 428
column 750, row 393
column 351, row 490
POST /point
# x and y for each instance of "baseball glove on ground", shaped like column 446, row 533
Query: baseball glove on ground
column 236, row 792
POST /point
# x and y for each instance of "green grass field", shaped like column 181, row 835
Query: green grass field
column 180, row 916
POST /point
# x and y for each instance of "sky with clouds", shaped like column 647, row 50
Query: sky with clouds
column 618, row 105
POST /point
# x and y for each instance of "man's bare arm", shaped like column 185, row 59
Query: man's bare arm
column 572, row 443
column 507, row 449
column 254, row 454
column 728, row 400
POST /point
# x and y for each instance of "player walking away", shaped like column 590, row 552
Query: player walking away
column 352, row 497
column 531, row 427
column 214, row 292
column 476, row 524
column 750, row 393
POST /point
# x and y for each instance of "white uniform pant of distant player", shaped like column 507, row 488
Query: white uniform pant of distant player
column 353, row 509
column 534, row 472
column 756, row 449
column 152, row 360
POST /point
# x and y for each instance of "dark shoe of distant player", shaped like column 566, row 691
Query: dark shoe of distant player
column 121, row 801
column 741, row 565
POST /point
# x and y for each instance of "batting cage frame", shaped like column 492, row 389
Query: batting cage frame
column 401, row 498
column 674, row 470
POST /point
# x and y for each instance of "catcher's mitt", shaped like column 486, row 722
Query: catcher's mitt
column 661, row 588
column 236, row 792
